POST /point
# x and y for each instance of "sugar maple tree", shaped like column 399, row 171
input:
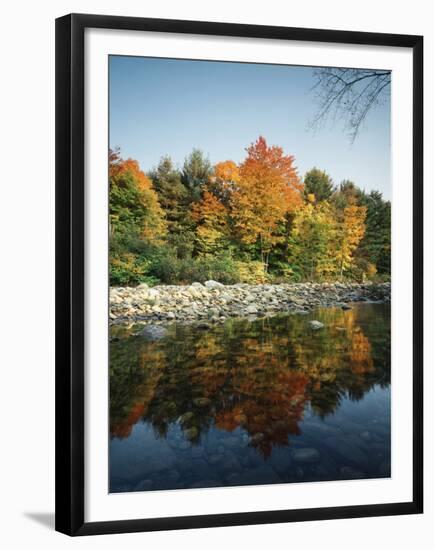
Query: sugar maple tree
column 268, row 189
column 224, row 180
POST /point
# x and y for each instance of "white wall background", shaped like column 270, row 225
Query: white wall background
column 27, row 271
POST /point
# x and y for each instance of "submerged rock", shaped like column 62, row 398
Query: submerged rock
column 214, row 458
column 183, row 445
column 307, row 454
column 366, row 435
column 153, row 332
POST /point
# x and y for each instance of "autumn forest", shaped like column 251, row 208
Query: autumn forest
column 250, row 274
column 253, row 222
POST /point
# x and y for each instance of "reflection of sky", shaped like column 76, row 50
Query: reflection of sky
column 246, row 402
column 143, row 456
column 168, row 107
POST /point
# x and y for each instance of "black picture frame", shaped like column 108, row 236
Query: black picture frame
column 70, row 262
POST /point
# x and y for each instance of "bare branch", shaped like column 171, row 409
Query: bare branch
column 349, row 94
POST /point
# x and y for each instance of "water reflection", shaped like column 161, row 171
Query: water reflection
column 249, row 393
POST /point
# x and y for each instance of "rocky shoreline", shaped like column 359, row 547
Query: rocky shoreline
column 215, row 302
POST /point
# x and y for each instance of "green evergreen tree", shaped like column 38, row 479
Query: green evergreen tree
column 376, row 244
column 317, row 182
column 196, row 172
column 348, row 194
column 172, row 194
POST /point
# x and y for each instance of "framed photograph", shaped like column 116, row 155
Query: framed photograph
column 238, row 274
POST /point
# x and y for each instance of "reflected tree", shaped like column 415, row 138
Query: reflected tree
column 255, row 376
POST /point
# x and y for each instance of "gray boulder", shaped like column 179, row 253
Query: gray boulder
column 213, row 284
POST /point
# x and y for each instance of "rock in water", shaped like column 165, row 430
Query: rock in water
column 218, row 301
column 316, row 325
column 213, row 284
column 153, row 332
column 305, row 455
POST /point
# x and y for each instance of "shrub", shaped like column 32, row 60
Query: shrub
column 169, row 269
column 284, row 273
column 127, row 268
column 362, row 270
column 251, row 272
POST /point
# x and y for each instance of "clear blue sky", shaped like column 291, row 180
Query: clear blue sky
column 168, row 107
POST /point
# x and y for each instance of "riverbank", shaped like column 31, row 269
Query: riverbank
column 214, row 302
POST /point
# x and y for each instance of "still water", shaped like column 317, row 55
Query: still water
column 251, row 402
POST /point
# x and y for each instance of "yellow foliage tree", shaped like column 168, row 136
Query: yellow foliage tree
column 227, row 171
column 312, row 240
column 350, row 232
column 211, row 219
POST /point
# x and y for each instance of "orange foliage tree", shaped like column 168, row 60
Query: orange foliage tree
column 225, row 178
column 268, row 189
column 131, row 190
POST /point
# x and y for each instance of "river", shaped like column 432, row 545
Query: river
column 251, row 402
